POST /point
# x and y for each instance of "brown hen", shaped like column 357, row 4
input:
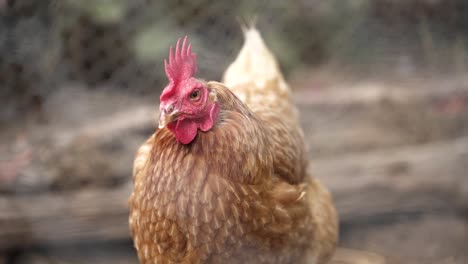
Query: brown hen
column 224, row 179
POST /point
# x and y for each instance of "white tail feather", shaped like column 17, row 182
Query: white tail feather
column 256, row 79
column 254, row 64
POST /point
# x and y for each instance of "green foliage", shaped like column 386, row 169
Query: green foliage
column 101, row 10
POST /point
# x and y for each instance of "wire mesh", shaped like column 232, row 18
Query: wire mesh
column 121, row 44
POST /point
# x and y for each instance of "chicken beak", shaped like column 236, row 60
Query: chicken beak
column 166, row 118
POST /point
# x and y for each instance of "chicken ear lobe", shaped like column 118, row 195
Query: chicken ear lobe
column 208, row 123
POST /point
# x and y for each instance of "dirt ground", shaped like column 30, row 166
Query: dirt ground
column 394, row 154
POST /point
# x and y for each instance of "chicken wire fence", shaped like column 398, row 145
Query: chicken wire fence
column 119, row 44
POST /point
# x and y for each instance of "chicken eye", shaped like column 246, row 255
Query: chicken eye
column 194, row 95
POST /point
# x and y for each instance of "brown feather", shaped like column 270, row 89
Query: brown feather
column 239, row 193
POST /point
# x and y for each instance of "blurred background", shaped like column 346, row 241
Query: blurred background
column 382, row 86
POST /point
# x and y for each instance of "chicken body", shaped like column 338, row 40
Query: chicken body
column 239, row 193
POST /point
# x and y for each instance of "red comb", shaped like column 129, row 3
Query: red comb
column 183, row 64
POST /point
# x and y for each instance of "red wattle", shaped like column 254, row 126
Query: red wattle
column 185, row 131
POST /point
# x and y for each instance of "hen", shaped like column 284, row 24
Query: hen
column 224, row 177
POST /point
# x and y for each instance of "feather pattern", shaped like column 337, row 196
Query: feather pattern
column 239, row 193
